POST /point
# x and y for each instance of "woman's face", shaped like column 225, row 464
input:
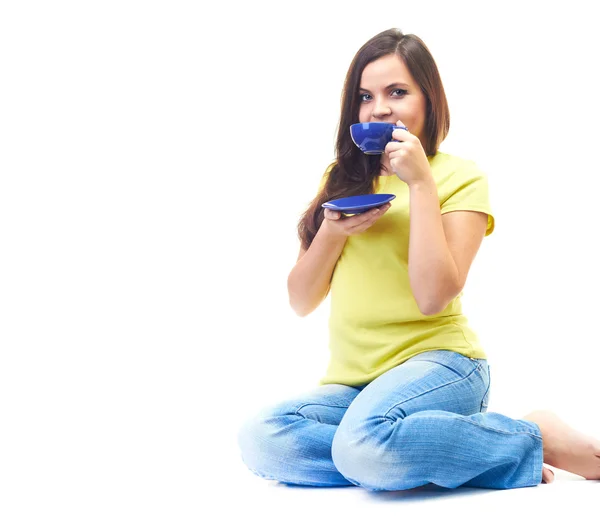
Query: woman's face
column 389, row 93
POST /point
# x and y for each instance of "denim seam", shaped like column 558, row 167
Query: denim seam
column 498, row 430
column 297, row 411
column 460, row 417
column 426, row 392
column 450, row 368
column 487, row 390
column 292, row 481
column 537, row 471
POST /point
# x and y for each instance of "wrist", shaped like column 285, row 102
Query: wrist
column 329, row 233
column 426, row 183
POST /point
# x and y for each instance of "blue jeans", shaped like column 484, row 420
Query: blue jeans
column 424, row 421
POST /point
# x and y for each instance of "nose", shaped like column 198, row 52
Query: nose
column 381, row 108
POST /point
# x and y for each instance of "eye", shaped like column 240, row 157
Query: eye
column 362, row 97
column 401, row 91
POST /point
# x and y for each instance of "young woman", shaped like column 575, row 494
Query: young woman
column 404, row 399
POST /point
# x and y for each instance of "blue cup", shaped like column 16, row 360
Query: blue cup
column 371, row 138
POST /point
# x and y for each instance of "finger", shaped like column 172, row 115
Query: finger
column 364, row 226
column 382, row 210
column 367, row 217
column 401, row 135
column 371, row 213
column 392, row 146
column 400, row 123
column 398, row 153
column 358, row 219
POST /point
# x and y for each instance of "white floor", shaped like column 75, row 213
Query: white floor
column 246, row 494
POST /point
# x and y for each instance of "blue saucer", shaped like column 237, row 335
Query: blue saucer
column 358, row 204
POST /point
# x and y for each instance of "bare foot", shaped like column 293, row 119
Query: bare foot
column 566, row 448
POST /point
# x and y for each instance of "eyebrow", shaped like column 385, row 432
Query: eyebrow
column 389, row 86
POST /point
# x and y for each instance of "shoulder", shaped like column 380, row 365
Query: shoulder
column 325, row 175
column 452, row 171
column 445, row 163
column 462, row 186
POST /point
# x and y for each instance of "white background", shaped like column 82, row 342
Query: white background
column 155, row 158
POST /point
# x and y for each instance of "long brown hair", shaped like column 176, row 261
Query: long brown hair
column 353, row 172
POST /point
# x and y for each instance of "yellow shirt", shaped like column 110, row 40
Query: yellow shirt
column 375, row 323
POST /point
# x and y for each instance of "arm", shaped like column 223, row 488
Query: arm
column 309, row 281
column 441, row 247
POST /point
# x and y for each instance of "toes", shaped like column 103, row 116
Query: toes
column 547, row 475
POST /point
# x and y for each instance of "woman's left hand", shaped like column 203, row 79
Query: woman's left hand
column 407, row 158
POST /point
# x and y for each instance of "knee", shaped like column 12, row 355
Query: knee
column 252, row 440
column 361, row 456
column 264, row 441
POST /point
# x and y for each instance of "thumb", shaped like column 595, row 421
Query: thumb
column 332, row 215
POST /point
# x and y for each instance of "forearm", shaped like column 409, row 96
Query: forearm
column 309, row 280
column 431, row 268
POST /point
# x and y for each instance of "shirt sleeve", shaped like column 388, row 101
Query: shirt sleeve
column 325, row 176
column 470, row 192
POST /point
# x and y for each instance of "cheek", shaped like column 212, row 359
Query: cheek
column 363, row 115
column 414, row 115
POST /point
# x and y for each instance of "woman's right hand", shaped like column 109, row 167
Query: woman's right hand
column 355, row 224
